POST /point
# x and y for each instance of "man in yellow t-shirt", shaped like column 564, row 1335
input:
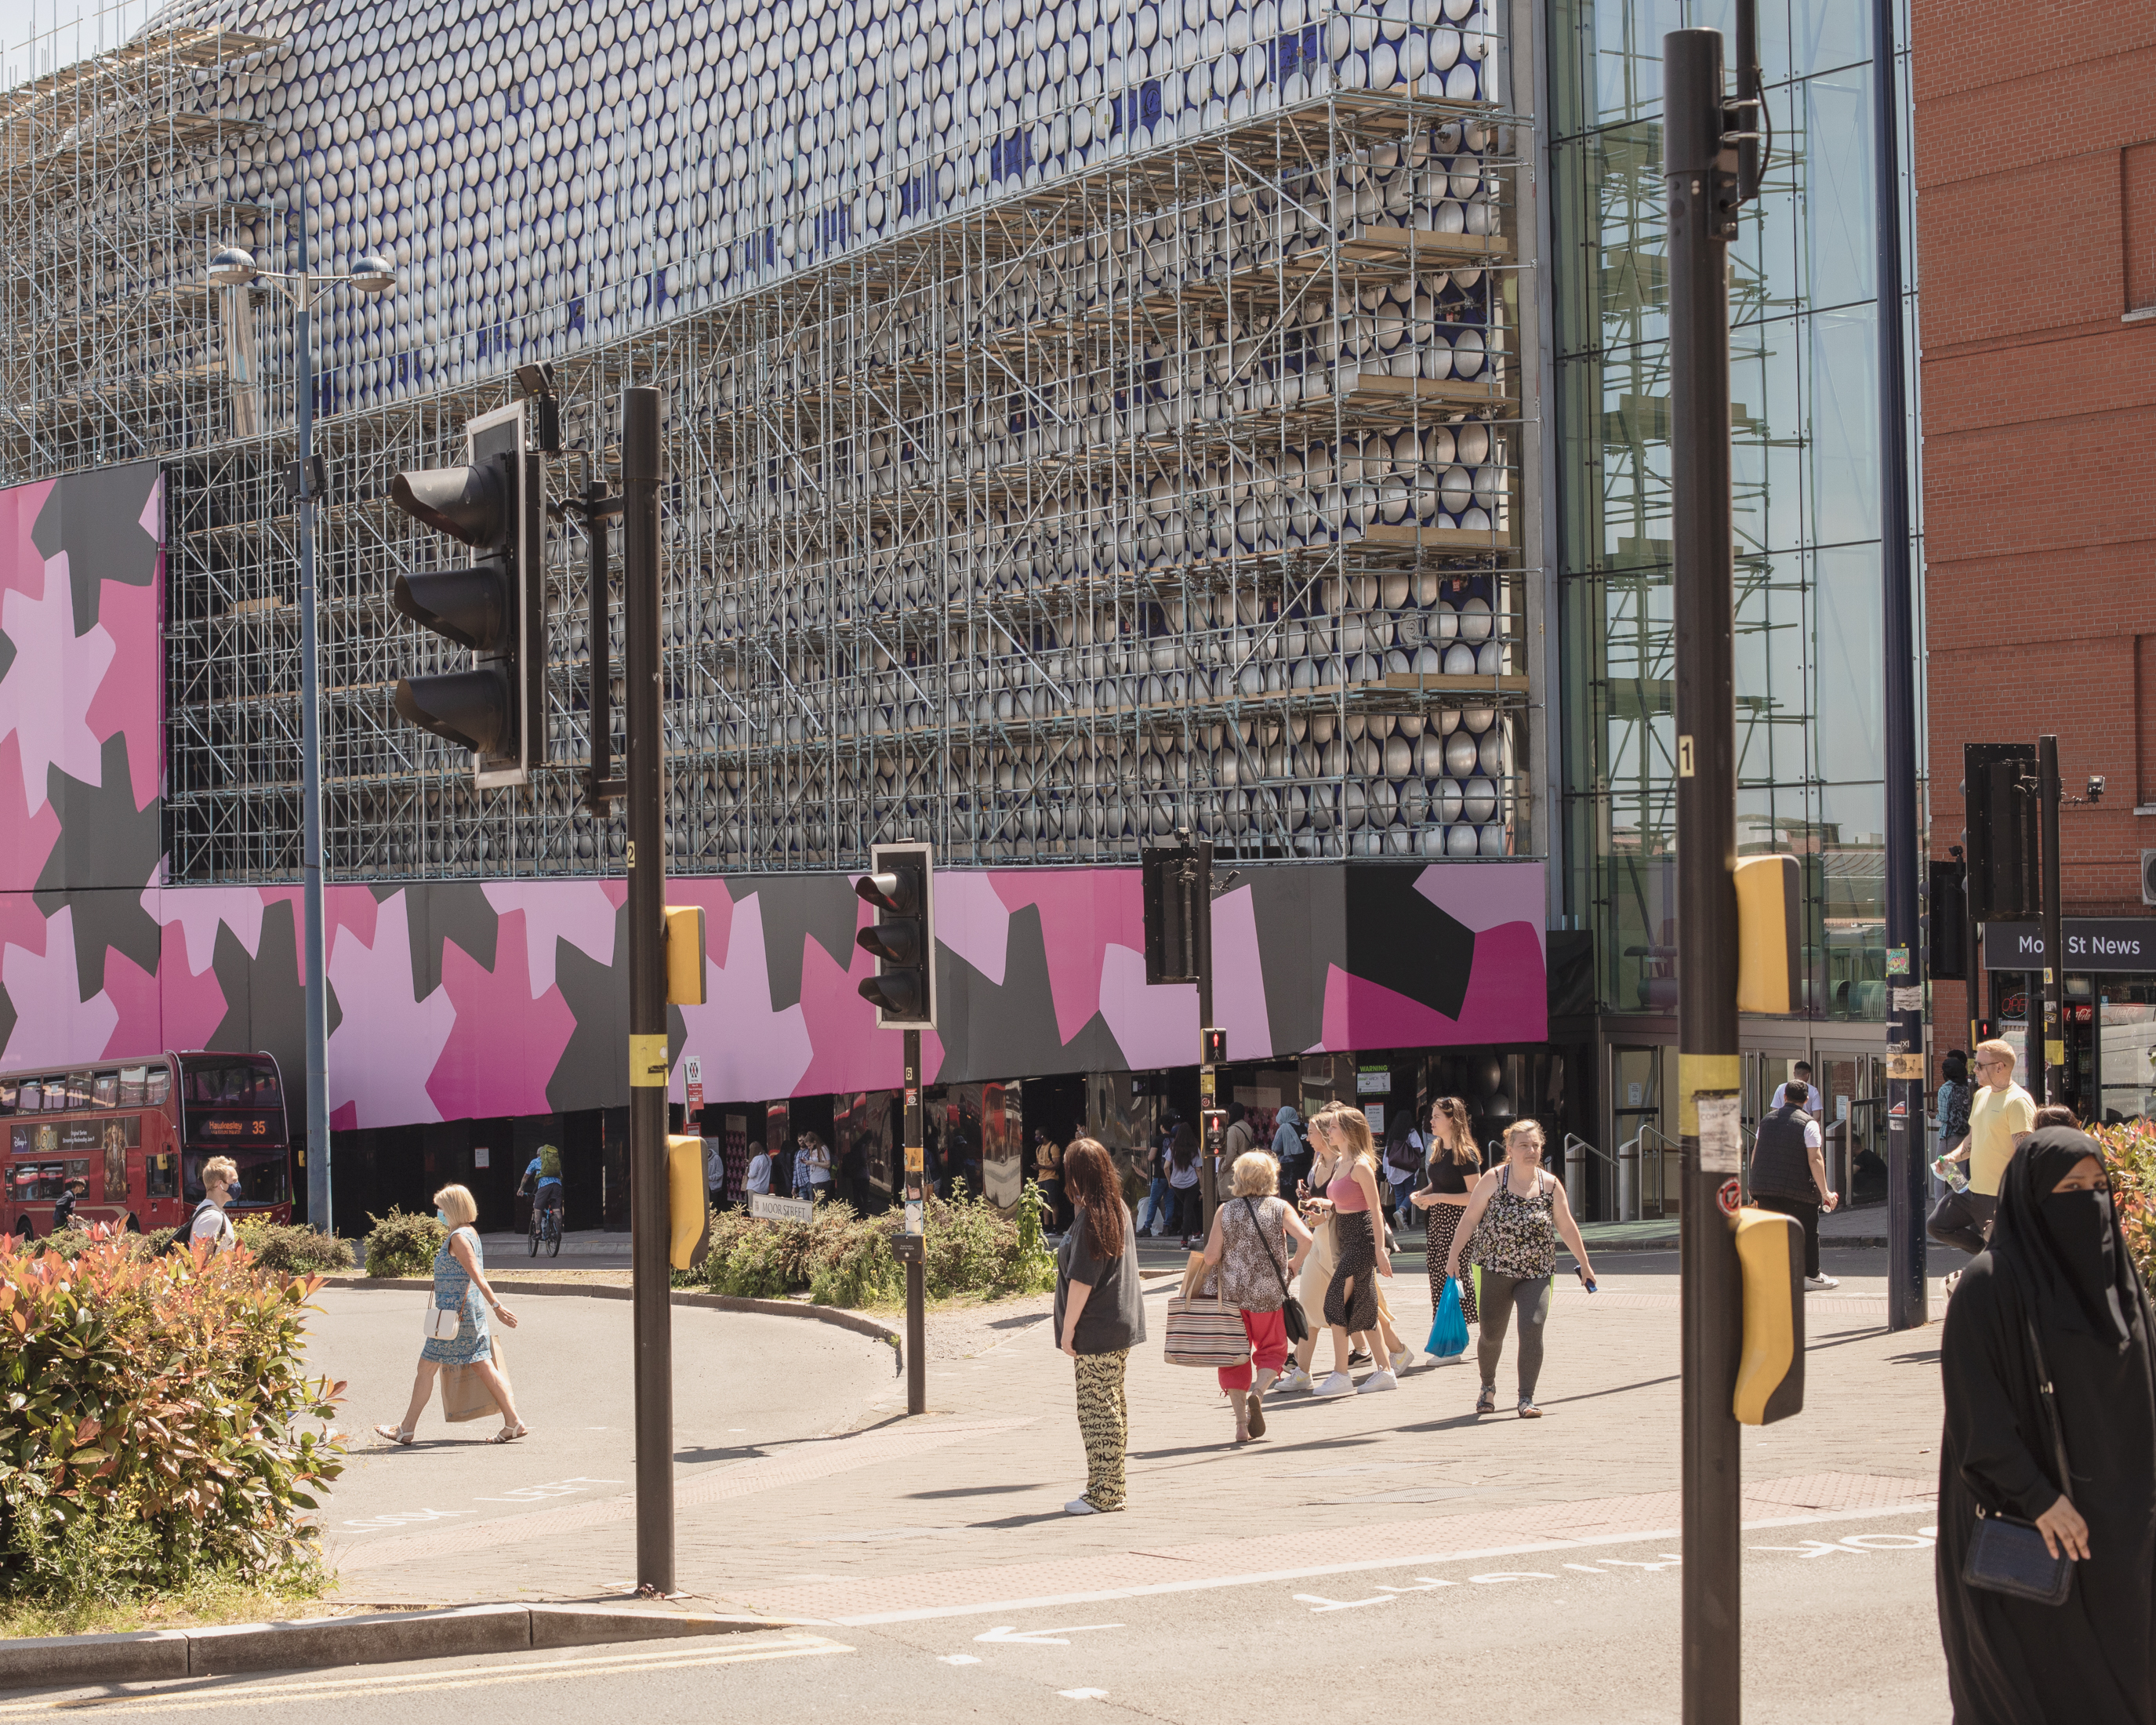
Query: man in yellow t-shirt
column 2001, row 1116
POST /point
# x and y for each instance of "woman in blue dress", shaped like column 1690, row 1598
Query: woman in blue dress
column 459, row 1273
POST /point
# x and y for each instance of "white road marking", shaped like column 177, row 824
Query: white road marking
column 1011, row 1634
column 957, row 1659
column 1318, row 1602
column 1000, row 1608
column 1512, row 1575
column 1083, row 1694
column 402, row 1518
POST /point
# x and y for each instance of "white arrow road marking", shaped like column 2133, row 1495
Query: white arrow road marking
column 1318, row 1602
column 1085, row 1694
column 1671, row 1560
column 957, row 1659
column 1011, row 1634
column 1514, row 1575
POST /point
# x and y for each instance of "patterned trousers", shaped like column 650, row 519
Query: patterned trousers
column 1104, row 1423
column 1437, row 1245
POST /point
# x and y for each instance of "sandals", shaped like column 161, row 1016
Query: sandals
column 395, row 1434
column 1486, row 1403
column 509, row 1434
column 1254, row 1411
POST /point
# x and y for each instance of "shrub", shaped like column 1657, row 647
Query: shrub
column 2130, row 1151
column 288, row 1248
column 402, row 1244
column 150, row 1427
column 845, row 1258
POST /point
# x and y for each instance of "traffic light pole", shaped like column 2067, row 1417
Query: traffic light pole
column 1908, row 1303
column 1702, row 166
column 914, row 1182
column 2051, row 1044
column 319, row 1214
column 642, row 463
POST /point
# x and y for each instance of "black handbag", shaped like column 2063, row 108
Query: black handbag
column 2007, row 1555
column 1294, row 1320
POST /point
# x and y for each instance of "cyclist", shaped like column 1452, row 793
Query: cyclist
column 546, row 1169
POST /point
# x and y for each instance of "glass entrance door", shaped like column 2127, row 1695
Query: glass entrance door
column 1637, row 1116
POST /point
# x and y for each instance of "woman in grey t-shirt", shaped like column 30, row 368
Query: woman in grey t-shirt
column 1098, row 1315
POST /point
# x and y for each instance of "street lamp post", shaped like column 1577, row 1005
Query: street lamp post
column 235, row 268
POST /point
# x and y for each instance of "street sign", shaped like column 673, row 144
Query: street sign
column 2092, row 943
column 773, row 1209
column 692, row 1085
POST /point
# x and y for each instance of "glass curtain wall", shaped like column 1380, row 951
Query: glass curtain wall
column 1804, row 379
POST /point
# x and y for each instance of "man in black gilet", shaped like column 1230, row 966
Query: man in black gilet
column 1788, row 1175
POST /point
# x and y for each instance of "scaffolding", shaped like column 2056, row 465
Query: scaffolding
column 1183, row 491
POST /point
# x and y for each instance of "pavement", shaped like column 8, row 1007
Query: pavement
column 929, row 1573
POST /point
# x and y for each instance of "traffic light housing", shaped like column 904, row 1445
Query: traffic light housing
column 493, row 605
column 688, row 1204
column 1770, row 912
column 901, row 884
column 684, row 955
column 1770, row 1370
column 1176, row 883
column 1213, row 1048
column 1946, row 907
column 1998, row 805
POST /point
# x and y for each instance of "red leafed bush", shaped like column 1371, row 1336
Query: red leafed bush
column 156, row 1423
column 2129, row 1151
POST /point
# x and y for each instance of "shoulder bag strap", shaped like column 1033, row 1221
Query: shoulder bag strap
column 2065, row 1481
column 1266, row 1245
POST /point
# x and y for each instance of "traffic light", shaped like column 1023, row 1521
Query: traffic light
column 1176, row 882
column 1213, row 1048
column 684, row 955
column 1770, row 1370
column 1998, row 805
column 493, row 604
column 688, row 1205
column 899, row 884
column 1770, row 912
column 1946, row 929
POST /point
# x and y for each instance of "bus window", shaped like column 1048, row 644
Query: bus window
column 164, row 1175
column 7, row 1091
column 130, row 1086
column 33, row 1096
column 81, row 1086
column 43, row 1182
column 262, row 1177
column 56, row 1096
column 105, row 1090
column 156, row 1087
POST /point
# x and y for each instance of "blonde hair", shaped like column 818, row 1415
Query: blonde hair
column 2000, row 1049
column 1525, row 1129
column 1256, row 1174
column 220, row 1167
column 1353, row 1125
column 459, row 1205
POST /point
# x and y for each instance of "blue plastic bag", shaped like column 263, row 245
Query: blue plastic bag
column 1448, row 1335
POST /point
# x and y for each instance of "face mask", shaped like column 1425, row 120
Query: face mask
column 443, row 1217
column 2080, row 1222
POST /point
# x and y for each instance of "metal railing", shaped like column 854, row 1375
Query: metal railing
column 1575, row 1172
column 1640, row 1173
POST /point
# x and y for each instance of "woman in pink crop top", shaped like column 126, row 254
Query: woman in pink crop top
column 1351, row 1300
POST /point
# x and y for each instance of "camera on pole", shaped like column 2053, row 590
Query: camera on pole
column 899, row 884
column 492, row 605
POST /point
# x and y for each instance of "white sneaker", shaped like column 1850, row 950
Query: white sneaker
column 1403, row 1359
column 1080, row 1507
column 1292, row 1382
column 1339, row 1384
column 1380, row 1379
column 1819, row 1284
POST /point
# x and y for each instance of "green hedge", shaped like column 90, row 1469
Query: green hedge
column 844, row 1259
column 403, row 1244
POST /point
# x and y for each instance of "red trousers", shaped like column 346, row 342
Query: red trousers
column 1268, row 1334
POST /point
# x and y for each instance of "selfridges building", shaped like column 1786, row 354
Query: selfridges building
column 1083, row 421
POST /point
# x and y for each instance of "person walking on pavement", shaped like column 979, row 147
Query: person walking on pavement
column 1152, row 1209
column 1288, row 1150
column 1048, row 1176
column 1513, row 1219
column 1237, row 1142
column 756, row 1181
column 1452, row 1165
column 1801, row 1073
column 1249, row 1245
column 1950, row 1110
column 1351, row 1301
column 2001, row 1116
column 459, row 1273
column 2050, row 1418
column 1182, row 1182
column 1403, row 1161
column 812, row 1169
column 1789, row 1175
column 211, row 1227
column 1099, row 1316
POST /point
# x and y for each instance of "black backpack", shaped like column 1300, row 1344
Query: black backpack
column 180, row 1235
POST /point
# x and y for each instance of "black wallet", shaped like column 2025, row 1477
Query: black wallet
column 2006, row 1556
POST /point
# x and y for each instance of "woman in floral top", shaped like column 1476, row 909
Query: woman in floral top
column 1249, row 1244
column 1514, row 1217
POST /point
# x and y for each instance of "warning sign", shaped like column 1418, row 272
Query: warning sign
column 1729, row 1195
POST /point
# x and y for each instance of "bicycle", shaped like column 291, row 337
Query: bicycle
column 546, row 1226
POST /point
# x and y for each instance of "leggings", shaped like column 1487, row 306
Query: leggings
column 1500, row 1294
column 1357, row 1309
column 1103, row 1424
column 1444, row 1224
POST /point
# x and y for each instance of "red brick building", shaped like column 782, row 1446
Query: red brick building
column 2035, row 153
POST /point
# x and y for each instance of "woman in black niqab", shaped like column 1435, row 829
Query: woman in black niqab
column 2057, row 1260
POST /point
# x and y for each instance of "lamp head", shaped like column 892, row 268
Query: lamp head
column 374, row 274
column 233, row 267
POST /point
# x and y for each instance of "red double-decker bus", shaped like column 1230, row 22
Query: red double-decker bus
column 137, row 1132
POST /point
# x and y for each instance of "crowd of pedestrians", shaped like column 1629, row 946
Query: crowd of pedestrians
column 1296, row 1273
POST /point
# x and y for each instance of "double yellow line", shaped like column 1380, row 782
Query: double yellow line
column 205, row 1693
